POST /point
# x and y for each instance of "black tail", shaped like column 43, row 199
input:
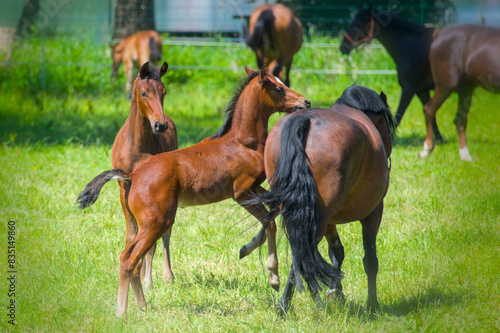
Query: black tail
column 264, row 25
column 294, row 190
column 91, row 192
column 155, row 49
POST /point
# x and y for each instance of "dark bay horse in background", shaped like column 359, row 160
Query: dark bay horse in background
column 230, row 165
column 462, row 57
column 134, row 51
column 275, row 35
column 328, row 167
column 407, row 42
column 146, row 132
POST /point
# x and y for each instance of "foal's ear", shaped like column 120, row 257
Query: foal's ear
column 263, row 72
column 144, row 70
column 383, row 97
column 249, row 71
column 164, row 68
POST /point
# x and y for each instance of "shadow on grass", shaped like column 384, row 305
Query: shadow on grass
column 75, row 121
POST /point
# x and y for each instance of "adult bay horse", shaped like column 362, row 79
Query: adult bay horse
column 146, row 132
column 462, row 57
column 229, row 165
column 275, row 35
column 408, row 44
column 134, row 51
column 328, row 167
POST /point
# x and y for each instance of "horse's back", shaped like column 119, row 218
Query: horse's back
column 466, row 50
column 347, row 160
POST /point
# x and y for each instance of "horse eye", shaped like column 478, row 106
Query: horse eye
column 279, row 89
column 143, row 94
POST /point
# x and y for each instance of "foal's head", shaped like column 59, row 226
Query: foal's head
column 275, row 95
column 149, row 93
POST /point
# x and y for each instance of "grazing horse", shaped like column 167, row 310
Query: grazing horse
column 146, row 132
column 134, row 51
column 275, row 35
column 462, row 57
column 328, row 167
column 229, row 165
column 408, row 44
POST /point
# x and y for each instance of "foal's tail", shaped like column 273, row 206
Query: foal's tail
column 294, row 190
column 155, row 49
column 264, row 25
column 91, row 192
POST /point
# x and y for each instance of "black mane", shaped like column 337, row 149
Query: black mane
column 152, row 74
column 401, row 23
column 365, row 100
column 232, row 105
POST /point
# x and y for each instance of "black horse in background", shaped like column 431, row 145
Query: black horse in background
column 407, row 42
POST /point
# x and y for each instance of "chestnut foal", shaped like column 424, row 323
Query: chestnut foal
column 146, row 132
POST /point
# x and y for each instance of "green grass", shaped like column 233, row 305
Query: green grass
column 438, row 243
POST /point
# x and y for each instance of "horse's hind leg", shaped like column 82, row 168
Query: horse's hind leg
column 370, row 226
column 430, row 109
column 336, row 253
column 464, row 102
column 424, row 97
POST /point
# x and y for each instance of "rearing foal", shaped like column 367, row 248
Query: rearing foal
column 229, row 165
column 146, row 132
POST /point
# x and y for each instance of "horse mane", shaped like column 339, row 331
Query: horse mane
column 232, row 105
column 400, row 22
column 152, row 74
column 367, row 100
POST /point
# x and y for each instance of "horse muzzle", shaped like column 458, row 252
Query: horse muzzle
column 306, row 104
column 159, row 128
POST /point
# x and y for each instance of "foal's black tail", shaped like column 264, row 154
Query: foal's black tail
column 264, row 25
column 294, row 190
column 91, row 192
column 155, row 49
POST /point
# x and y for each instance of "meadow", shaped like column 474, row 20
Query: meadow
column 438, row 245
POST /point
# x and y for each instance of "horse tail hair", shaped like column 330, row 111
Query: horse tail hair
column 294, row 191
column 264, row 25
column 155, row 49
column 91, row 192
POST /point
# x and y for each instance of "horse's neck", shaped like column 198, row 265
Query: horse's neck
column 140, row 134
column 250, row 120
column 389, row 39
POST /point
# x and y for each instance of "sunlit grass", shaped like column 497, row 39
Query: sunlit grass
column 438, row 243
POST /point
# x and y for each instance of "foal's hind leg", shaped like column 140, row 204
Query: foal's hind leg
column 430, row 109
column 370, row 226
column 336, row 253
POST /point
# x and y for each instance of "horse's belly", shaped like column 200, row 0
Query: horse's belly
column 204, row 196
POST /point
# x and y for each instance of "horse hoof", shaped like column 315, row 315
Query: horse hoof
column 464, row 155
column 424, row 154
column 335, row 294
column 242, row 254
column 275, row 284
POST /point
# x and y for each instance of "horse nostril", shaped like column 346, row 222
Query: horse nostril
column 160, row 128
column 307, row 103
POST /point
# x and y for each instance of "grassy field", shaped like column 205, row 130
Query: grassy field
column 438, row 245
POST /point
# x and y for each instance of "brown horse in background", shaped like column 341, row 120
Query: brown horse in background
column 328, row 167
column 146, row 132
column 462, row 57
column 230, row 165
column 275, row 35
column 134, row 51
